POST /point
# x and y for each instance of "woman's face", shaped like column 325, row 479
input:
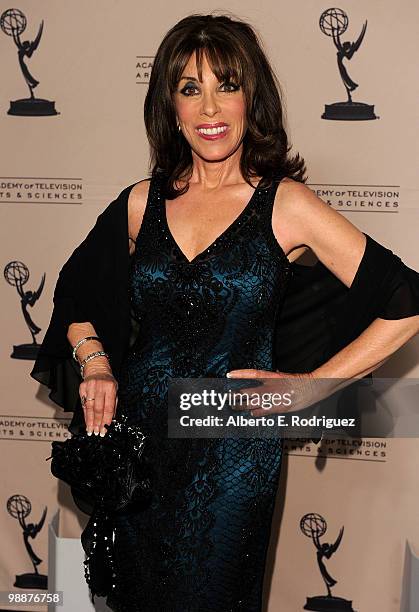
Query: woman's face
column 211, row 114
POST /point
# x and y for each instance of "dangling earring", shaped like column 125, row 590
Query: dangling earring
column 178, row 127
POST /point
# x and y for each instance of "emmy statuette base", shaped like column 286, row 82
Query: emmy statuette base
column 349, row 111
column 31, row 581
column 25, row 351
column 323, row 603
column 32, row 107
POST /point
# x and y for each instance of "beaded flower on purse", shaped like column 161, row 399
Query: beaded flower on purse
column 112, row 472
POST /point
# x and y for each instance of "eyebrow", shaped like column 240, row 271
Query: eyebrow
column 189, row 78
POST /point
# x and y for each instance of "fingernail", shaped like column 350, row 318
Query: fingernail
column 89, row 433
column 228, row 375
column 96, row 432
column 102, row 433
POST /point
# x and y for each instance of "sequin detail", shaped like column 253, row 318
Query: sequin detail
column 201, row 544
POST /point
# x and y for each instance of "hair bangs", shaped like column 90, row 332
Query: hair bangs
column 225, row 60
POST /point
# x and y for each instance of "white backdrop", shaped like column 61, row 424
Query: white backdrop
column 59, row 172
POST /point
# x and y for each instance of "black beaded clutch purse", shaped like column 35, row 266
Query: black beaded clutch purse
column 111, row 472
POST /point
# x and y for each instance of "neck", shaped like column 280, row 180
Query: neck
column 212, row 175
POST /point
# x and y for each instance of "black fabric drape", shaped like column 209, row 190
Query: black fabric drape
column 319, row 315
column 92, row 286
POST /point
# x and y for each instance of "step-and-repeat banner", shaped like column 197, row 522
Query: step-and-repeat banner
column 74, row 77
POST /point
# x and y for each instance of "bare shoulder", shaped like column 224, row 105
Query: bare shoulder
column 294, row 197
column 302, row 220
column 289, row 208
column 137, row 201
column 297, row 211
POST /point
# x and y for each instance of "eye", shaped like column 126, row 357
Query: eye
column 230, row 86
column 187, row 90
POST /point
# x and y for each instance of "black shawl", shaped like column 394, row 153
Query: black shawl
column 319, row 315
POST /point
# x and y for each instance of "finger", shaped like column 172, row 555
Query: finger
column 256, row 412
column 85, row 415
column 252, row 374
column 82, row 391
column 242, row 406
column 98, row 409
column 241, row 373
column 108, row 410
column 115, row 409
column 241, row 402
column 89, row 406
column 249, row 393
column 82, row 394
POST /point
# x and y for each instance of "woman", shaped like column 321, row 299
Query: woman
column 211, row 235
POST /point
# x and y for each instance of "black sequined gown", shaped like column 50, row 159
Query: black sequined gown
column 201, row 545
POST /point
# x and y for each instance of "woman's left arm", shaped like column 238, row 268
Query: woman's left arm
column 370, row 349
column 340, row 246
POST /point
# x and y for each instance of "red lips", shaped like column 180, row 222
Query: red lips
column 212, row 136
column 211, row 125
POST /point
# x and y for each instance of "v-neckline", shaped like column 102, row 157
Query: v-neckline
column 215, row 242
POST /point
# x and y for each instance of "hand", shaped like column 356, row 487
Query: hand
column 101, row 385
column 300, row 388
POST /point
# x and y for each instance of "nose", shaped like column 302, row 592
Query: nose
column 210, row 105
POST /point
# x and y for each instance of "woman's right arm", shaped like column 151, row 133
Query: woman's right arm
column 98, row 383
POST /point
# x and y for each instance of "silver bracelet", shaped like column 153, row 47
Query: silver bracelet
column 80, row 342
column 89, row 357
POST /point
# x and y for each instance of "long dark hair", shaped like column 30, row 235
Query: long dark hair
column 234, row 53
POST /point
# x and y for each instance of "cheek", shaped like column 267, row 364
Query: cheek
column 185, row 110
column 237, row 110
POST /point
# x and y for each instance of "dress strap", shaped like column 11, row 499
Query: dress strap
column 150, row 229
column 156, row 198
column 268, row 197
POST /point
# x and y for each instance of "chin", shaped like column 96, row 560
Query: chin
column 215, row 154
